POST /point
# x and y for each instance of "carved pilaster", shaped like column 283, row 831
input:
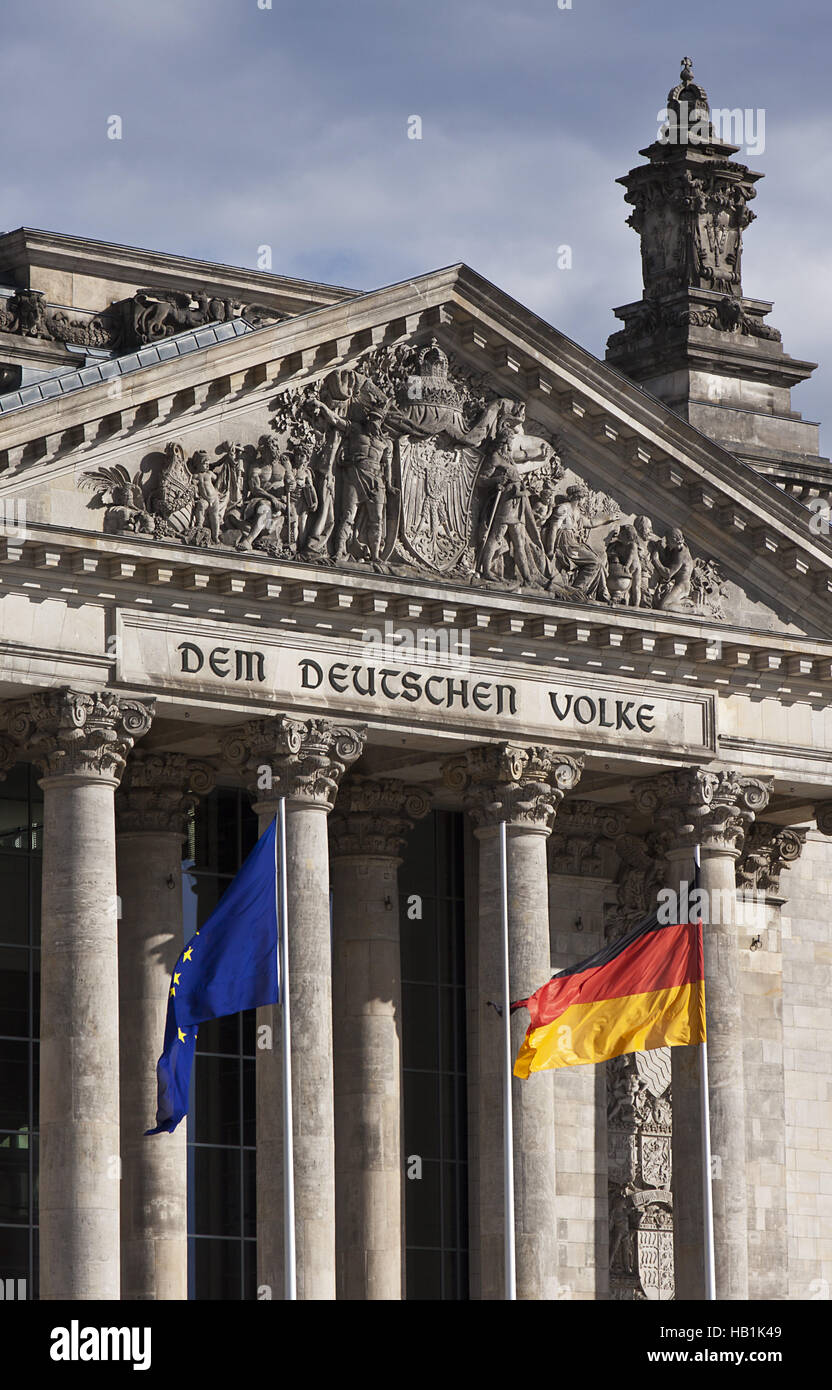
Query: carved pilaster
column 768, row 850
column 74, row 733
column 639, row 1123
column 304, row 759
column 159, row 789
column 712, row 809
column 374, row 817
column 522, row 785
column 582, row 841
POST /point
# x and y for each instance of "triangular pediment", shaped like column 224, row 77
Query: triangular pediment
column 503, row 457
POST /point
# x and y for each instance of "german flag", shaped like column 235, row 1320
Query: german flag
column 646, row 990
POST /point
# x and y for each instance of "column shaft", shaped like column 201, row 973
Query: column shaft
column 519, row 787
column 714, row 811
column 310, row 975
column 79, row 1079
column 302, row 761
column 80, row 742
column 532, row 1100
column 723, row 1004
column 366, row 999
column 154, row 1186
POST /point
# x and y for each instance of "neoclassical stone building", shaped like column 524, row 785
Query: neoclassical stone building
column 419, row 563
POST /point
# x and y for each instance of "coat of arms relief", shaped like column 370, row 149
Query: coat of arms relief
column 410, row 463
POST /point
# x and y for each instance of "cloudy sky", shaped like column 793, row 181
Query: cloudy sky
column 245, row 126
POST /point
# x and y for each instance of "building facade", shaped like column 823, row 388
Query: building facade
column 420, row 564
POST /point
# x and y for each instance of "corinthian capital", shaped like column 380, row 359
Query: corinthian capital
column 711, row 809
column 768, row 850
column 374, row 817
column 159, row 789
column 300, row 758
column 77, row 733
column 521, row 785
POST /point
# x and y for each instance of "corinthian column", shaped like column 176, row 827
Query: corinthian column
column 80, row 743
column 715, row 811
column 152, row 804
column 303, row 760
column 367, row 832
column 521, row 786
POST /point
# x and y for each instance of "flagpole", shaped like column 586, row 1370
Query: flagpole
column 282, row 904
column 707, row 1175
column 508, row 1125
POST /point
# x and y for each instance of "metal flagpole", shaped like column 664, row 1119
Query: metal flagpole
column 508, row 1126
column 282, row 896
column 707, row 1176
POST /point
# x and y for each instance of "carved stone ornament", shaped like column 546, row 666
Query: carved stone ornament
column 73, row 733
column 823, row 816
column 710, row 809
column 768, row 850
column 521, row 785
column 583, row 839
column 374, row 816
column 690, row 203
column 9, row 755
column 639, row 1136
column 146, row 317
column 690, row 209
column 640, row 877
column 408, row 463
column 301, row 759
column 158, row 790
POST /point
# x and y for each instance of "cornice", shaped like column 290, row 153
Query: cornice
column 111, row 261
column 516, row 628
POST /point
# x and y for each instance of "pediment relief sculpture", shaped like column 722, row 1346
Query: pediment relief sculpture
column 409, row 463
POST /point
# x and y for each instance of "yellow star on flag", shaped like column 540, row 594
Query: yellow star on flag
column 181, row 1035
column 172, row 990
column 188, row 953
column 175, row 978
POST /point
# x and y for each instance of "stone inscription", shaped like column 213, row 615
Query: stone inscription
column 197, row 657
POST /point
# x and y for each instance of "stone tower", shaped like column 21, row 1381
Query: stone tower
column 694, row 339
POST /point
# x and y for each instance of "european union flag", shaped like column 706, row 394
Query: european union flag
column 228, row 965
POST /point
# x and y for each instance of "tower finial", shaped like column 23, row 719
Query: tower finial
column 686, row 75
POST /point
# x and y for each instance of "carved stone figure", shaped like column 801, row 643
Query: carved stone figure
column 624, row 574
column 366, row 460
column 511, row 516
column 568, row 546
column 673, row 563
column 303, row 497
column 264, row 513
column 208, row 503
column 28, row 310
column 124, row 500
column 231, row 477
